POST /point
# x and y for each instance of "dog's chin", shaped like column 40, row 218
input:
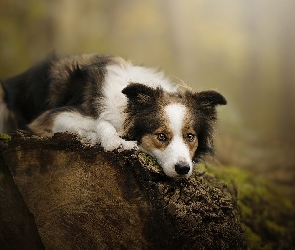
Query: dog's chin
column 181, row 176
column 174, row 175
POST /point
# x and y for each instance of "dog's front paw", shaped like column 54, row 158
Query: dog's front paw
column 128, row 145
column 118, row 143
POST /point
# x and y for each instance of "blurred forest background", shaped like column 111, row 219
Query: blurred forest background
column 244, row 49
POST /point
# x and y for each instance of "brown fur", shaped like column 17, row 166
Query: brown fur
column 150, row 141
column 42, row 126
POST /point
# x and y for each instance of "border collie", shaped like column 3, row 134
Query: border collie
column 107, row 100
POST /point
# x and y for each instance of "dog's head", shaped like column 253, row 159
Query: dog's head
column 175, row 128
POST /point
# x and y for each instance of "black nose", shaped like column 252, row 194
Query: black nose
column 182, row 168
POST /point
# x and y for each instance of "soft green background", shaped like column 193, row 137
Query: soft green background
column 244, row 49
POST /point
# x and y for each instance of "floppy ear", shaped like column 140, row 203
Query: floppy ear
column 206, row 102
column 139, row 93
column 210, row 97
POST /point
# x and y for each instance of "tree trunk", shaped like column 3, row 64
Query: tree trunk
column 84, row 198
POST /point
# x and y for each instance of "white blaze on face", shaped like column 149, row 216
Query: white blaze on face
column 177, row 151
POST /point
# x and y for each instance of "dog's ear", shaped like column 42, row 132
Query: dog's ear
column 139, row 93
column 204, row 105
column 210, row 97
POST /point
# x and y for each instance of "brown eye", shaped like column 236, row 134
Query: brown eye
column 162, row 137
column 190, row 137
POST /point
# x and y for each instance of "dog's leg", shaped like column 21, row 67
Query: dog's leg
column 59, row 120
column 92, row 131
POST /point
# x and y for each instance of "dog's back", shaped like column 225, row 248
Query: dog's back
column 52, row 83
column 24, row 94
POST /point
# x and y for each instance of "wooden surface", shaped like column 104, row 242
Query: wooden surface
column 84, row 198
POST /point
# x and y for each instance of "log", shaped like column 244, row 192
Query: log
column 82, row 197
column 17, row 225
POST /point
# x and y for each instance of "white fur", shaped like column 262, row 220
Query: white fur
column 107, row 129
column 74, row 122
column 118, row 76
column 177, row 151
column 109, row 138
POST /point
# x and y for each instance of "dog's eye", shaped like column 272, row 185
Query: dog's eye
column 190, row 137
column 162, row 137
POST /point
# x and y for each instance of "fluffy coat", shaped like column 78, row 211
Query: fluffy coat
column 109, row 101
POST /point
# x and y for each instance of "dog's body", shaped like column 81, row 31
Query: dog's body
column 109, row 101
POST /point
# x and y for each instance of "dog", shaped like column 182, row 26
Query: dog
column 109, row 101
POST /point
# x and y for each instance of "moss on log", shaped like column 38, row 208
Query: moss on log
column 84, row 198
column 267, row 213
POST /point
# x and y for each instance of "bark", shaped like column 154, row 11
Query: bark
column 84, row 198
column 17, row 225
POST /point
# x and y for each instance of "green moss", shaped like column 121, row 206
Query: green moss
column 254, row 241
column 147, row 159
column 246, row 211
column 149, row 162
column 275, row 228
column 5, row 137
column 268, row 217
